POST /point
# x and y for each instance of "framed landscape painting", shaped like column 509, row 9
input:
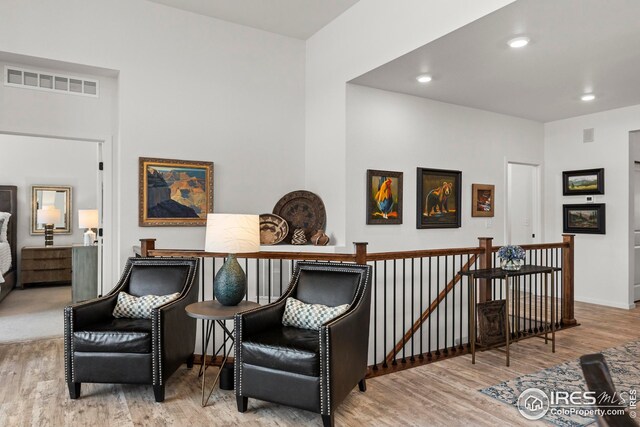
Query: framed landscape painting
column 384, row 197
column 174, row 192
column 582, row 182
column 439, row 198
column 482, row 200
column 585, row 218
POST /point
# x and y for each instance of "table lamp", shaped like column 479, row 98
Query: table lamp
column 231, row 234
column 48, row 216
column 88, row 218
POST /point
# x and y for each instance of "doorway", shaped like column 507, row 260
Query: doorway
column 34, row 308
column 523, row 204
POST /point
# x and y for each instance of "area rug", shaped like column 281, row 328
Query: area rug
column 623, row 362
column 33, row 313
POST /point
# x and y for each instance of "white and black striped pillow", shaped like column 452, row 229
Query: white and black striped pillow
column 309, row 316
column 140, row 307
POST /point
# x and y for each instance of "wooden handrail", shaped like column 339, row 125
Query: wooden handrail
column 363, row 255
column 537, row 246
column 481, row 255
column 382, row 256
column 254, row 255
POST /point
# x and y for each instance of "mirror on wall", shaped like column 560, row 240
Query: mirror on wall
column 57, row 198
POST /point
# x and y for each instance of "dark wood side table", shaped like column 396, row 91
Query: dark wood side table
column 213, row 312
column 507, row 275
column 45, row 264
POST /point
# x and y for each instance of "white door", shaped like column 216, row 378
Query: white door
column 523, row 208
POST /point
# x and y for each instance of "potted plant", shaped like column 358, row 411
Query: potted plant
column 511, row 257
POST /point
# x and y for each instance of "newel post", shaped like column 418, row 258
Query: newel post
column 361, row 252
column 568, row 280
column 486, row 261
column 147, row 245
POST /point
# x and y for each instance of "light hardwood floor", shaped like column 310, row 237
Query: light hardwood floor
column 33, row 391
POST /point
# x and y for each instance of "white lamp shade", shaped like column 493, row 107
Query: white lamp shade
column 88, row 218
column 48, row 215
column 232, row 233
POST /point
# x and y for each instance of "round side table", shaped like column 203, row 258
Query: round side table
column 213, row 312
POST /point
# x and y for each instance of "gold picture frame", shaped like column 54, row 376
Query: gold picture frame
column 174, row 192
column 482, row 200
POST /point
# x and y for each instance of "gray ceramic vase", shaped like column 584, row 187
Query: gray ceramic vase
column 230, row 284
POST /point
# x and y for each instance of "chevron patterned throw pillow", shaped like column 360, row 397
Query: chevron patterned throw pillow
column 309, row 316
column 140, row 307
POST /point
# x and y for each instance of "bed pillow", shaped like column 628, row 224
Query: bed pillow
column 142, row 307
column 4, row 225
column 309, row 316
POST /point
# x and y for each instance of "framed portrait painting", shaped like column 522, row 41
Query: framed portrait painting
column 482, row 200
column 583, row 182
column 586, row 218
column 384, row 197
column 439, row 198
column 174, row 192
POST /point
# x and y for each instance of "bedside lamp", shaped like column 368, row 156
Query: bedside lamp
column 88, row 218
column 48, row 216
column 232, row 234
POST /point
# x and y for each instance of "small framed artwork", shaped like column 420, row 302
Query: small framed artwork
column 438, row 198
column 491, row 322
column 482, row 200
column 174, row 192
column 584, row 218
column 384, row 197
column 581, row 182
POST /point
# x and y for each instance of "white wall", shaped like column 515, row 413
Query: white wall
column 27, row 161
column 391, row 131
column 603, row 273
column 30, row 111
column 189, row 87
column 369, row 34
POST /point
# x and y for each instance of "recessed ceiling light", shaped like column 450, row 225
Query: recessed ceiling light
column 518, row 42
column 588, row 97
column 424, row 78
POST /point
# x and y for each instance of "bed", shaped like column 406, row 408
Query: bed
column 8, row 258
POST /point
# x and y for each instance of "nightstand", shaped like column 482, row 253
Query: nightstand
column 45, row 264
column 84, row 278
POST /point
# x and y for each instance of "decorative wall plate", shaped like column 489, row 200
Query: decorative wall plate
column 273, row 229
column 302, row 209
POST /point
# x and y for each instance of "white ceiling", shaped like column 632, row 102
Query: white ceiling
column 576, row 46
column 293, row 18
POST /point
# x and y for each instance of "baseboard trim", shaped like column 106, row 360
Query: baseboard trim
column 606, row 303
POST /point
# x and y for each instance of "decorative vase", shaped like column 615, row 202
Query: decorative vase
column 298, row 237
column 320, row 238
column 511, row 264
column 230, row 283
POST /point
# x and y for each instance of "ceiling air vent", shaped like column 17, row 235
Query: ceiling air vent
column 51, row 82
column 588, row 135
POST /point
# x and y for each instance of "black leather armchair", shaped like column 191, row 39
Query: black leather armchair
column 307, row 369
column 596, row 374
column 102, row 349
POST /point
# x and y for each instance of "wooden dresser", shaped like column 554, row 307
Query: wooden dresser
column 45, row 264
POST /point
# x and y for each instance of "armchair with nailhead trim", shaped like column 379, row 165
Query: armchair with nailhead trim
column 307, row 369
column 100, row 348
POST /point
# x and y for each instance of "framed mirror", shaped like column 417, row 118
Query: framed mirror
column 51, row 197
